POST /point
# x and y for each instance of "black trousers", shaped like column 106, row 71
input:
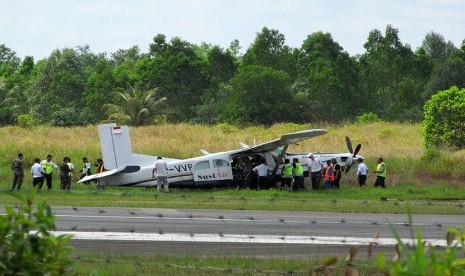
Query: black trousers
column 316, row 180
column 38, row 181
column 298, row 182
column 380, row 181
column 362, row 180
column 48, row 180
column 262, row 182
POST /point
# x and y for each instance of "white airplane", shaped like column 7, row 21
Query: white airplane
column 125, row 168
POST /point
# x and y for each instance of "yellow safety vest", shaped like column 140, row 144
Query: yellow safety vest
column 71, row 168
column 298, row 170
column 47, row 166
column 287, row 172
column 378, row 168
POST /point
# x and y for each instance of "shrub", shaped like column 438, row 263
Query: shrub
column 445, row 119
column 366, row 118
column 423, row 259
column 25, row 121
column 26, row 245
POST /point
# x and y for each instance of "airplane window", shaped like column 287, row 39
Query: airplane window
column 220, row 163
column 202, row 165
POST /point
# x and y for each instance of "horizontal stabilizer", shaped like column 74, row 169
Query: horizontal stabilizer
column 125, row 169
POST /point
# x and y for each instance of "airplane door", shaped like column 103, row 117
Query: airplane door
column 212, row 172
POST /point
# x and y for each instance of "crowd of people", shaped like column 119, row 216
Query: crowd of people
column 42, row 172
column 249, row 172
column 256, row 174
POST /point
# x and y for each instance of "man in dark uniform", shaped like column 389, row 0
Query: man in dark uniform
column 18, row 172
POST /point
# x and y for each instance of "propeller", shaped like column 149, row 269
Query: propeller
column 349, row 144
column 354, row 153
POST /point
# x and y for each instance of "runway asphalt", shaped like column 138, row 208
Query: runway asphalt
column 251, row 233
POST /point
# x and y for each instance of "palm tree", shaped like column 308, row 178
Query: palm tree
column 136, row 107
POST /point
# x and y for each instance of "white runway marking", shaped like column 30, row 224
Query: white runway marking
column 227, row 238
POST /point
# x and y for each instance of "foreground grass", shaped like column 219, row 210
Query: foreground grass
column 428, row 199
column 127, row 264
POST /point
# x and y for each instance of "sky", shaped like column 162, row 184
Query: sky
column 36, row 28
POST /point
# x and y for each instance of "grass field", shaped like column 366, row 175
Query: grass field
column 428, row 199
column 428, row 181
column 127, row 264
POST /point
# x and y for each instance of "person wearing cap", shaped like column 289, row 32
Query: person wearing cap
column 48, row 166
column 362, row 171
column 316, row 169
column 380, row 173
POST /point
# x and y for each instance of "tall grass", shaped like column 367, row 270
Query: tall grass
column 399, row 144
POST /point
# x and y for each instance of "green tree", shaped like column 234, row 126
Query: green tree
column 386, row 64
column 223, row 66
column 269, row 50
column 436, row 47
column 445, row 75
column 259, row 95
column 180, row 73
column 328, row 79
column 9, row 62
column 98, row 90
column 6, row 103
column 57, row 94
column 445, row 119
column 136, row 107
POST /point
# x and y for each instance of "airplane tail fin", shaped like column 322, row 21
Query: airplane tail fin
column 116, row 146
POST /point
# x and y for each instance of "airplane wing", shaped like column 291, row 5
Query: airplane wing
column 286, row 139
column 126, row 169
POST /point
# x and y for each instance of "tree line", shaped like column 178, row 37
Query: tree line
column 270, row 82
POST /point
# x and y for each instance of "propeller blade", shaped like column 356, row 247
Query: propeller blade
column 349, row 144
column 357, row 149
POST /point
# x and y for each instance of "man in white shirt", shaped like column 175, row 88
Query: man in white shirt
column 316, row 168
column 37, row 174
column 160, row 171
column 362, row 171
column 262, row 171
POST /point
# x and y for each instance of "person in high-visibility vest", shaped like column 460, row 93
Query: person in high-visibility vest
column 298, row 173
column 86, row 170
column 329, row 175
column 380, row 173
column 337, row 174
column 49, row 167
column 286, row 174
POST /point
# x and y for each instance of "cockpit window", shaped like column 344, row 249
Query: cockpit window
column 202, row 165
